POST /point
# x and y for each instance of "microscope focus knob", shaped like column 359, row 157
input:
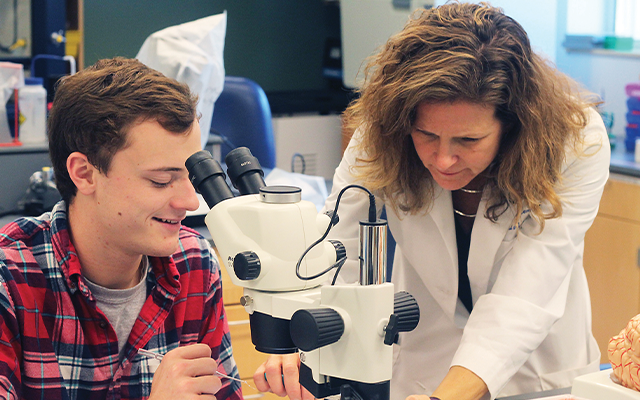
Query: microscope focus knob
column 405, row 317
column 315, row 328
column 406, row 308
column 246, row 265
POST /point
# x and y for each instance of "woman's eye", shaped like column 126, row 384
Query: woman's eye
column 469, row 140
column 160, row 184
column 426, row 135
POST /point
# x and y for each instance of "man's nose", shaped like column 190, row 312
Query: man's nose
column 185, row 196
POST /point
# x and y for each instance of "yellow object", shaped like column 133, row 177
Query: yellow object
column 19, row 43
column 72, row 46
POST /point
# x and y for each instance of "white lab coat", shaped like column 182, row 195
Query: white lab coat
column 530, row 329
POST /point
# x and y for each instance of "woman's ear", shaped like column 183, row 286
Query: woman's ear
column 82, row 172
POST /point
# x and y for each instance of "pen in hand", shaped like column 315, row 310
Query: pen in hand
column 159, row 357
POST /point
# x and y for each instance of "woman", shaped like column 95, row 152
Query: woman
column 491, row 165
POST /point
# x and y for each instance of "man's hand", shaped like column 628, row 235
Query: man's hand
column 282, row 377
column 186, row 373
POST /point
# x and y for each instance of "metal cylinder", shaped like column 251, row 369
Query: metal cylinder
column 373, row 252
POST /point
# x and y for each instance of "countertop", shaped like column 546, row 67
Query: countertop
column 623, row 162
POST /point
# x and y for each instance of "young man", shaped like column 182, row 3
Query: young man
column 111, row 270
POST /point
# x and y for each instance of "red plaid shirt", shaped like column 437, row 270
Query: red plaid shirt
column 56, row 344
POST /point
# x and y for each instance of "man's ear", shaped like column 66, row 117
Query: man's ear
column 82, row 172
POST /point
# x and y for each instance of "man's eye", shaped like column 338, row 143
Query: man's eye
column 469, row 139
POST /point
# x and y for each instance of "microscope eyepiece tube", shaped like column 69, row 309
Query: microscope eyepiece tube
column 373, row 252
column 207, row 178
column 244, row 171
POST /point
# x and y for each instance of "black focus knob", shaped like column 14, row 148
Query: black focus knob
column 246, row 265
column 315, row 328
column 406, row 308
column 405, row 317
column 341, row 252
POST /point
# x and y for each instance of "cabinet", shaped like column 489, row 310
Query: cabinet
column 611, row 259
column 246, row 356
column 309, row 144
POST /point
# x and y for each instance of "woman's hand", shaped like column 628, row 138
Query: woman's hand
column 459, row 384
column 282, row 377
column 186, row 373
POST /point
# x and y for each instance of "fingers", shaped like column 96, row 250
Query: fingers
column 291, row 376
column 184, row 372
column 207, row 384
column 274, row 375
column 198, row 350
column 193, row 360
column 280, row 375
column 306, row 395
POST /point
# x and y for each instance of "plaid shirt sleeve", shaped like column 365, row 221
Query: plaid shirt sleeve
column 217, row 336
column 9, row 344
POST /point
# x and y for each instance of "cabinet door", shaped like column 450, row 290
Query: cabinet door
column 611, row 265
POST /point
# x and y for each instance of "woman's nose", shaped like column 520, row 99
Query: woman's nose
column 445, row 156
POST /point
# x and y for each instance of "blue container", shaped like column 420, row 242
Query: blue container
column 630, row 144
column 633, row 118
column 630, row 139
column 633, row 103
column 11, row 117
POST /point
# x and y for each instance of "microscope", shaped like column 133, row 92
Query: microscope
column 273, row 245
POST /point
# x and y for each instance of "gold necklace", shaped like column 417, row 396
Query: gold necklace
column 460, row 213
column 472, row 191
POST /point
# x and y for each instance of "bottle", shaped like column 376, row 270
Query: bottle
column 32, row 102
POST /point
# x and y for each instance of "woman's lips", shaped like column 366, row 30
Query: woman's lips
column 448, row 173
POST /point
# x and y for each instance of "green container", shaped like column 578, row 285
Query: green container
column 618, row 43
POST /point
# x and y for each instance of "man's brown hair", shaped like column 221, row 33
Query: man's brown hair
column 94, row 109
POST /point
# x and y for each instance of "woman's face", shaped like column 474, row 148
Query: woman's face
column 456, row 141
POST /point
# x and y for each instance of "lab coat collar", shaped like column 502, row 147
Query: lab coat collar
column 440, row 276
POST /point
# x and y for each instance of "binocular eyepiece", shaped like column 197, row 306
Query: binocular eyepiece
column 208, row 178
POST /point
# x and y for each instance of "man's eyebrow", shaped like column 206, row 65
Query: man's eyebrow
column 168, row 169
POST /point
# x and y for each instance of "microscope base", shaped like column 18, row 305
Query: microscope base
column 369, row 391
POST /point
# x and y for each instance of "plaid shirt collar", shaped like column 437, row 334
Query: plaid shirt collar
column 163, row 269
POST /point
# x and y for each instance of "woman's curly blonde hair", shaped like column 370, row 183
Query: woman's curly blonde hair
column 473, row 53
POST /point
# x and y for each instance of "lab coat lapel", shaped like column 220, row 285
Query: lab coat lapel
column 435, row 232
column 486, row 238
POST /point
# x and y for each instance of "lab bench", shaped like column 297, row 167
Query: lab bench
column 611, row 257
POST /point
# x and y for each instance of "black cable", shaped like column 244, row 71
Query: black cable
column 293, row 159
column 224, row 138
column 338, row 264
column 335, row 276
